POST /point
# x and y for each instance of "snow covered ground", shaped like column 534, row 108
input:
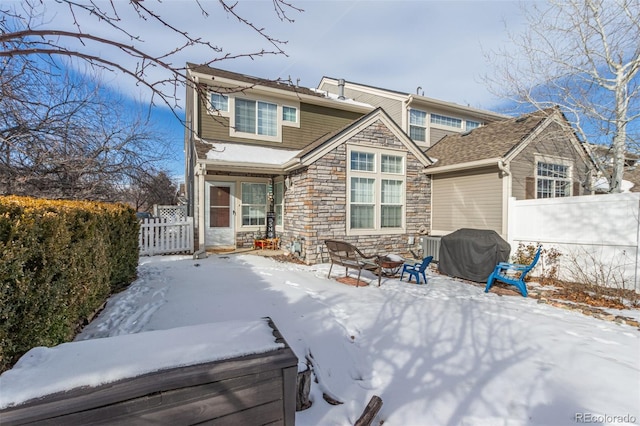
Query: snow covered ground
column 444, row 353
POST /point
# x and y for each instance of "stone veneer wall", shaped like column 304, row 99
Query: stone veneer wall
column 315, row 203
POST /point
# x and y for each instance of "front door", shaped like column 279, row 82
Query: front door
column 219, row 214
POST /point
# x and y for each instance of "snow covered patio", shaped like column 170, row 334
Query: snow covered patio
column 444, row 353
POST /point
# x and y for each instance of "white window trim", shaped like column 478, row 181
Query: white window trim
column 280, row 123
column 550, row 159
column 284, row 190
column 378, row 176
column 425, row 127
column 232, row 120
column 445, row 126
column 220, row 113
column 466, row 127
column 239, row 225
column 290, row 123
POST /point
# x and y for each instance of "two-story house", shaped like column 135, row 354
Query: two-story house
column 314, row 165
column 370, row 166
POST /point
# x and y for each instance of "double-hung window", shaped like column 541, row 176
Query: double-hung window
column 418, row 125
column 553, row 180
column 376, row 191
column 256, row 117
column 254, row 204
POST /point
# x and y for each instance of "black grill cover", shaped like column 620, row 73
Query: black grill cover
column 472, row 253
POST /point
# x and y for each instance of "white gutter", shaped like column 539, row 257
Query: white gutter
column 469, row 165
column 504, row 167
column 286, row 94
column 456, row 108
column 234, row 166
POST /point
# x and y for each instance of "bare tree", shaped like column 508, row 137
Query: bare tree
column 25, row 32
column 66, row 137
column 149, row 187
column 583, row 55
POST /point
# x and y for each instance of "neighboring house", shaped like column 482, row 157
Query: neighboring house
column 326, row 167
column 631, row 173
column 425, row 120
column 536, row 155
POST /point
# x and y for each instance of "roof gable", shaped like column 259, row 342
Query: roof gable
column 327, row 143
column 500, row 140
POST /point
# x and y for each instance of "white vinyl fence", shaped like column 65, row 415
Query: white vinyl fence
column 164, row 236
column 175, row 213
column 598, row 235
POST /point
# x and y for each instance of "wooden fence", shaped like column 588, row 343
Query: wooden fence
column 165, row 236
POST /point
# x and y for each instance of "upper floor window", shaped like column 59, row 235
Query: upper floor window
column 472, row 125
column 418, row 125
column 443, row 120
column 289, row 114
column 220, row 102
column 553, row 180
column 256, row 117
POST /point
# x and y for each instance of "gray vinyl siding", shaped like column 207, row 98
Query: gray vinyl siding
column 467, row 200
column 554, row 144
column 315, row 121
column 393, row 107
column 436, row 134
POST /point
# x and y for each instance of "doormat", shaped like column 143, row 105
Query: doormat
column 352, row 282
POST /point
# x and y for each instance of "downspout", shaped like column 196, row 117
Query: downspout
column 505, row 173
column 504, row 168
column 201, row 171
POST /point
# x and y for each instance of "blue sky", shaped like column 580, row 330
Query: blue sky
column 399, row 45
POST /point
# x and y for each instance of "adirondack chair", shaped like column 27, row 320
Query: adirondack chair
column 508, row 273
column 416, row 270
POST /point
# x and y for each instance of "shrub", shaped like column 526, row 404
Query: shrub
column 549, row 257
column 60, row 260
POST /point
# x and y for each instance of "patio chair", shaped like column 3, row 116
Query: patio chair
column 417, row 270
column 513, row 273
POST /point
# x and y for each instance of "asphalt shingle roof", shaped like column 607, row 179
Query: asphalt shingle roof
column 495, row 140
column 278, row 84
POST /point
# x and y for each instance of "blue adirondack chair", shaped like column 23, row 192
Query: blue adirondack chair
column 416, row 270
column 508, row 273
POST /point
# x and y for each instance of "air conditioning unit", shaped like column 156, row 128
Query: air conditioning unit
column 430, row 247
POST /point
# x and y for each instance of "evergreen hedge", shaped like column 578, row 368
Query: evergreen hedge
column 59, row 262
